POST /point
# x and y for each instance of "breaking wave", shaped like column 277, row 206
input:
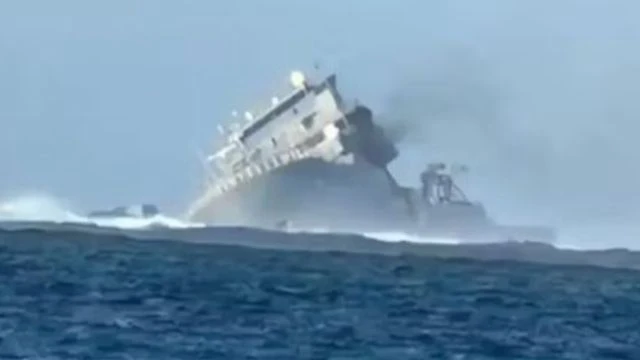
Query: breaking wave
column 44, row 208
column 390, row 236
column 45, row 217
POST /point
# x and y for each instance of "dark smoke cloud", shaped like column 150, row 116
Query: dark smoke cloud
column 542, row 103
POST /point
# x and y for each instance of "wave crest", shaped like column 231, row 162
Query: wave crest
column 46, row 208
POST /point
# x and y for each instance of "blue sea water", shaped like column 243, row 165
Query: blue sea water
column 99, row 298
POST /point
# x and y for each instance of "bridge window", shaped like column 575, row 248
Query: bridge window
column 308, row 122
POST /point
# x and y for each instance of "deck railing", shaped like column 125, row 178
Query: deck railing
column 244, row 176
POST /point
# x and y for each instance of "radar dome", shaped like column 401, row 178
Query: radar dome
column 297, row 79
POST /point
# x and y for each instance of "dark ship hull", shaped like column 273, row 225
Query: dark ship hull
column 139, row 211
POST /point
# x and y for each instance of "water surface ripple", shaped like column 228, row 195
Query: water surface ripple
column 93, row 299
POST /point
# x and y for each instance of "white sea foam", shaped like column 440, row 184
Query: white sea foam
column 45, row 208
column 389, row 236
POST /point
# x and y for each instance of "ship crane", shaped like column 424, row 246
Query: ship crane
column 438, row 186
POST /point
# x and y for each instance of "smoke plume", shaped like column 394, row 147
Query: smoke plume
column 542, row 105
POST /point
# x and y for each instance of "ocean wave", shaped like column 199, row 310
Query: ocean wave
column 51, row 217
column 38, row 233
column 45, row 208
column 65, row 293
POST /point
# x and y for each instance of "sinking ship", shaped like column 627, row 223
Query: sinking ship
column 315, row 160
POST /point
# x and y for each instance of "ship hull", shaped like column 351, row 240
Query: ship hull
column 311, row 193
column 317, row 195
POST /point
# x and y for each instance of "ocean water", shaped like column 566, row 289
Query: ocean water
column 98, row 297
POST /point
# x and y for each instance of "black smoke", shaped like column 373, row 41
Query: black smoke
column 541, row 103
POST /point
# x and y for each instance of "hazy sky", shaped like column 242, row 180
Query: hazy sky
column 104, row 103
